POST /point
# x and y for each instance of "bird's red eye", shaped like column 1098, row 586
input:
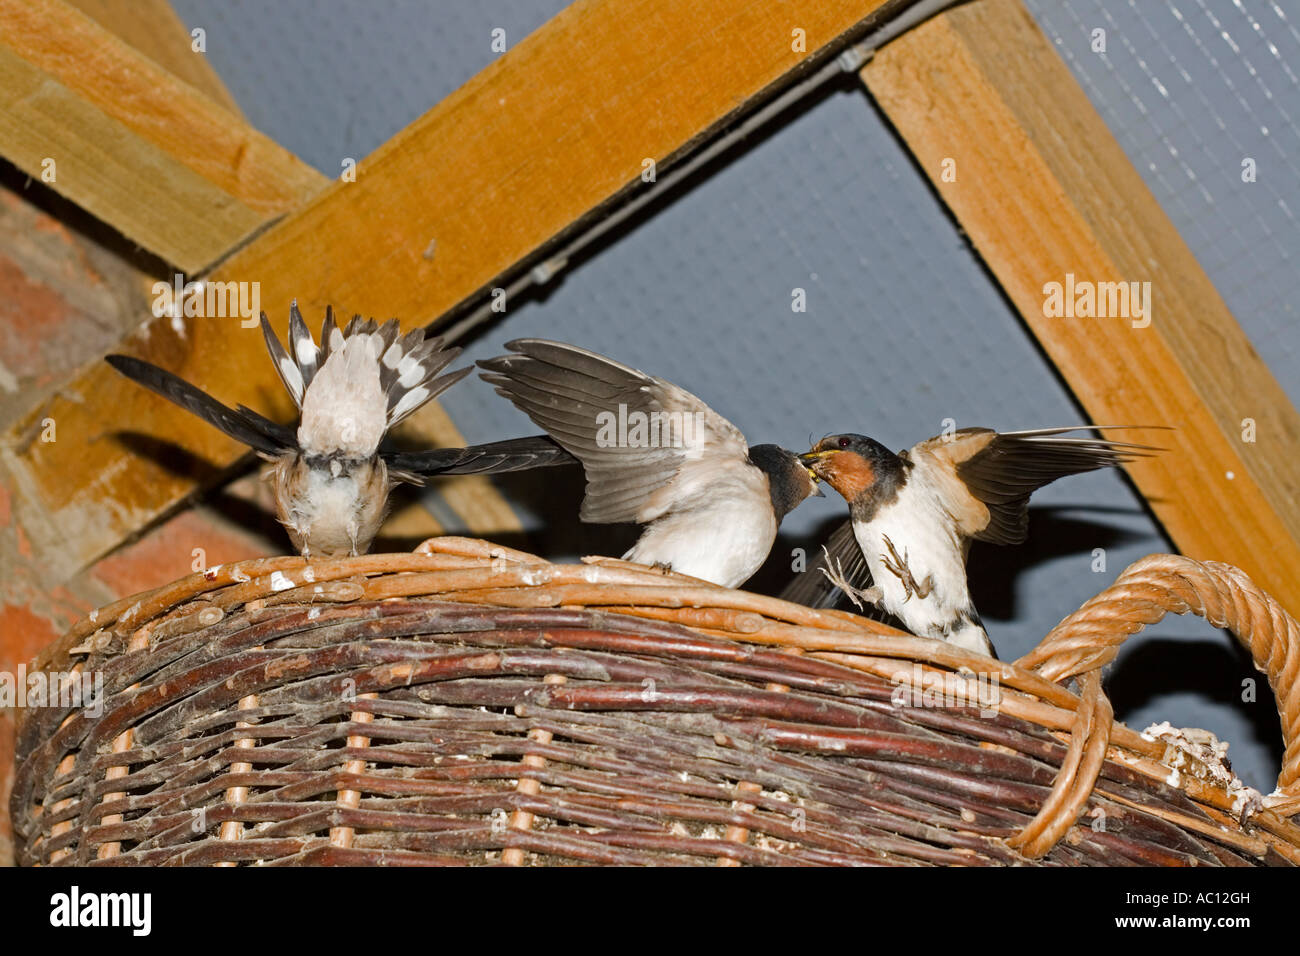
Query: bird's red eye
column 844, row 443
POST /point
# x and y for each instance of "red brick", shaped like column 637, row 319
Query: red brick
column 24, row 633
column 166, row 553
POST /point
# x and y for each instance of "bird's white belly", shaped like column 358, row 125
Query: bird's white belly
column 330, row 515
column 930, row 551
column 725, row 542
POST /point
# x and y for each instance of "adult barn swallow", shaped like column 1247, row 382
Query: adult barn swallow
column 656, row 455
column 329, row 477
column 915, row 513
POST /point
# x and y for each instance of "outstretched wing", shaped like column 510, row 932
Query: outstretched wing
column 647, row 446
column 298, row 365
column 242, row 424
column 999, row 471
column 493, row 458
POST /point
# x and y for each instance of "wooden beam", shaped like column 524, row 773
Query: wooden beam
column 1043, row 190
column 153, row 28
column 540, row 139
column 132, row 144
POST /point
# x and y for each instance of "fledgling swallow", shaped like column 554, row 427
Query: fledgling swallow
column 330, row 479
column 915, row 513
column 656, row 455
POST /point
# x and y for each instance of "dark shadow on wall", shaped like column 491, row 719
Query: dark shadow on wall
column 549, row 501
column 1210, row 669
column 993, row 570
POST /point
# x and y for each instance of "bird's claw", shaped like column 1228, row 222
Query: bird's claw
column 834, row 572
column 898, row 567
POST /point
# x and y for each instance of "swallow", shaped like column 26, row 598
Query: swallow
column 656, row 455
column 329, row 477
column 914, row 514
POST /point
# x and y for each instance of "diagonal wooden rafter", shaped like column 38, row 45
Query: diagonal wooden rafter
column 541, row 139
column 1043, row 189
column 279, row 182
column 153, row 28
column 131, row 143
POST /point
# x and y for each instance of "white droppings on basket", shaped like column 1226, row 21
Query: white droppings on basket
column 1203, row 756
column 1174, row 779
column 308, row 574
column 772, row 844
column 1246, row 801
column 1197, row 753
column 1157, row 730
column 279, row 582
column 313, row 613
column 967, row 815
column 94, row 616
column 240, row 576
column 533, row 578
column 1122, row 756
column 211, row 573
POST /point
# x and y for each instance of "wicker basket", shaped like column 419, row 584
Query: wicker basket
column 346, row 712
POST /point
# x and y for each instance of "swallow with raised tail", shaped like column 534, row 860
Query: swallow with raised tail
column 329, row 477
column 915, row 513
column 656, row 455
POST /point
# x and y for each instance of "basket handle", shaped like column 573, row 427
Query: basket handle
column 1148, row 589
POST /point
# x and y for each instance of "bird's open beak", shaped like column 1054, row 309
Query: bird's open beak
column 809, row 457
column 808, row 460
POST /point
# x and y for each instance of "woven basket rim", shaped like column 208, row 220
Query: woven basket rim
column 475, row 572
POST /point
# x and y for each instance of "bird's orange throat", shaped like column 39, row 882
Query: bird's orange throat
column 847, row 472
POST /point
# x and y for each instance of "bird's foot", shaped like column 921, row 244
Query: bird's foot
column 898, row 567
column 663, row 566
column 834, row 572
